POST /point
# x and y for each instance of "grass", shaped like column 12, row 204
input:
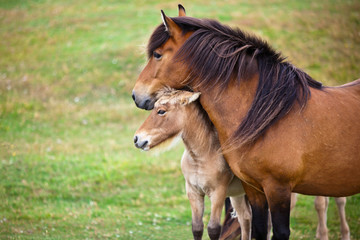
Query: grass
column 67, row 163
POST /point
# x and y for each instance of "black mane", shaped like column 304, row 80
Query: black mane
column 217, row 54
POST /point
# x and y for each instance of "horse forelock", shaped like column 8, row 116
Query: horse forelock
column 158, row 38
column 161, row 35
column 217, row 54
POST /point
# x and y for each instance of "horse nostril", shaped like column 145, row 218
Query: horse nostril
column 146, row 104
column 135, row 139
column 133, row 96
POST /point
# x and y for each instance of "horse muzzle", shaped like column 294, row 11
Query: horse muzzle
column 146, row 103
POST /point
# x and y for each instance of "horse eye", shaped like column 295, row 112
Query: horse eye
column 161, row 112
column 157, row 56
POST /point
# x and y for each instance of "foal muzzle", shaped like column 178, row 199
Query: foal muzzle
column 143, row 144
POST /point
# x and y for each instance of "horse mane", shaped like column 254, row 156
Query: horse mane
column 217, row 54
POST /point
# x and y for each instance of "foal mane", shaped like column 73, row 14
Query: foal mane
column 217, row 54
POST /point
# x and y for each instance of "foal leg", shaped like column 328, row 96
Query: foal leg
column 345, row 231
column 197, row 211
column 260, row 212
column 217, row 202
column 293, row 201
column 279, row 198
column 244, row 215
column 321, row 205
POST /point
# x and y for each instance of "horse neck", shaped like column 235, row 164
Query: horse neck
column 226, row 113
column 199, row 134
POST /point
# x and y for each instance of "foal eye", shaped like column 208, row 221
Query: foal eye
column 161, row 112
column 157, row 56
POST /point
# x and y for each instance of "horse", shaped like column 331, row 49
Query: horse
column 232, row 230
column 280, row 130
column 178, row 113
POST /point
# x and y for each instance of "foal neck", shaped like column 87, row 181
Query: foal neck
column 199, row 134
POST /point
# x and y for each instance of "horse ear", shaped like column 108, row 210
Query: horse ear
column 170, row 26
column 182, row 12
column 189, row 97
column 194, row 96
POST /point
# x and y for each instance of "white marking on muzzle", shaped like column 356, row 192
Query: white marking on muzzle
column 144, row 137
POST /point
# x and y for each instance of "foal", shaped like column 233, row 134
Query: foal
column 177, row 113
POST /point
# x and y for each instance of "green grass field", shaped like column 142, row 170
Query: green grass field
column 68, row 167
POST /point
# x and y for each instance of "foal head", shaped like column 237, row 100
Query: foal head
column 166, row 121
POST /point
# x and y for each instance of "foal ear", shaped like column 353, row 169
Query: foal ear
column 170, row 26
column 189, row 97
column 182, row 12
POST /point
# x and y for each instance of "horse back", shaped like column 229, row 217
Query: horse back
column 354, row 84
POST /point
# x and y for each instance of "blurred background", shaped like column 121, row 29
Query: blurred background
column 68, row 167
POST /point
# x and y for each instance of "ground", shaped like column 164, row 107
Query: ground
column 68, row 166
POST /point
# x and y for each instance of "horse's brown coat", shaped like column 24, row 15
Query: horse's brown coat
column 312, row 149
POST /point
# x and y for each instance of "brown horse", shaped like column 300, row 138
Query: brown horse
column 280, row 130
column 178, row 113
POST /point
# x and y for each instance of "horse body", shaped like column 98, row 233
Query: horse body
column 279, row 130
column 331, row 143
column 321, row 149
column 323, row 139
column 321, row 154
column 204, row 168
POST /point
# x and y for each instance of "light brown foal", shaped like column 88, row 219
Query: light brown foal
column 177, row 113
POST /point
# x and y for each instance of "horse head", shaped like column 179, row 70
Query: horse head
column 161, row 70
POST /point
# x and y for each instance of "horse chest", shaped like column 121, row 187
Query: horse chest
column 203, row 174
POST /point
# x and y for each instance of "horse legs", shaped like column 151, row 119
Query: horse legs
column 217, row 202
column 197, row 211
column 279, row 198
column 243, row 212
column 345, row 231
column 260, row 212
column 321, row 206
